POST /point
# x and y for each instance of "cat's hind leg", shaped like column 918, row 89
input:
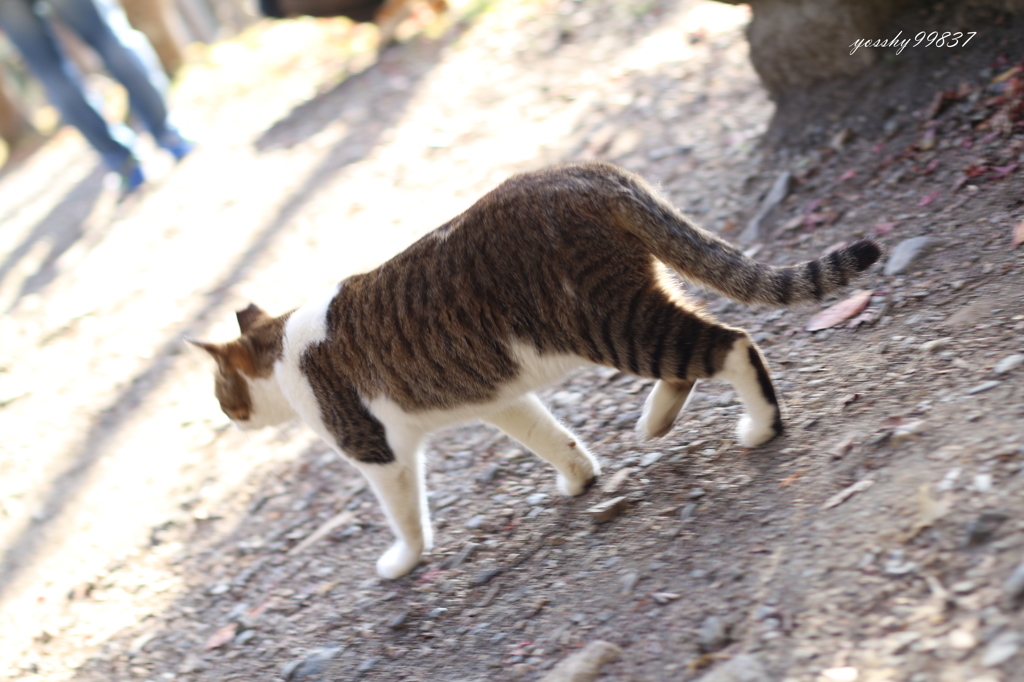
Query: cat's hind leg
column 662, row 407
column 530, row 423
column 745, row 369
column 400, row 488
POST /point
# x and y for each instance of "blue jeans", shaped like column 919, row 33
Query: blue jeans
column 128, row 57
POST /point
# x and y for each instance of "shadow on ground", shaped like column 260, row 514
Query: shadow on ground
column 63, row 489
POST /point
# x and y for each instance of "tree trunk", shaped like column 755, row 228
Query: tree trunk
column 14, row 123
column 153, row 18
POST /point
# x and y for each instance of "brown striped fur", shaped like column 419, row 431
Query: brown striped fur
column 566, row 260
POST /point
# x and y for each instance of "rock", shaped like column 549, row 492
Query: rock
column 650, row 458
column 464, row 553
column 398, row 621
column 536, row 499
column 310, row 665
column 908, row 431
column 846, row 673
column 970, row 314
column 982, row 387
column 907, row 251
column 629, row 581
column 192, row 663
column 484, row 577
column 778, row 192
column 608, row 510
column 897, row 566
column 368, row 665
column 981, row 529
column 616, row 480
column 476, row 522
column 1013, row 588
column 490, row 473
column 742, row 668
column 665, row 597
column 585, row 664
column 244, row 637
column 1002, row 648
column 1009, row 363
column 713, row 635
column 935, row 345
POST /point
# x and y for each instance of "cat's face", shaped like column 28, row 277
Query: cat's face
column 244, row 384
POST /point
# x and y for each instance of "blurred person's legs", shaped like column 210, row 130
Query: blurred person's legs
column 130, row 59
column 34, row 38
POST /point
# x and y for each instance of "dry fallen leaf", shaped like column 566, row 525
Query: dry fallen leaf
column 844, row 310
column 222, row 636
column 792, row 478
column 1018, row 234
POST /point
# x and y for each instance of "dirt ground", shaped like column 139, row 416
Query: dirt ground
column 144, row 538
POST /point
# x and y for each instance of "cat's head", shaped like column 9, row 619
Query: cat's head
column 244, row 383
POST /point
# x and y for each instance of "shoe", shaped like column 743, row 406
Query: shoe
column 180, row 147
column 131, row 180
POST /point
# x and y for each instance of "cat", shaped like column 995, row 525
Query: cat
column 551, row 270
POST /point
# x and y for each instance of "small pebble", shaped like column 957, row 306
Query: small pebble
column 982, row 387
column 1002, row 648
column 742, row 668
column 489, row 474
column 616, row 480
column 650, row 458
column 934, row 345
column 485, row 577
column 908, row 251
column 309, row 666
column 629, row 581
column 981, row 529
column 585, row 664
column 244, row 637
column 464, row 553
column 1013, row 588
column 665, row 597
column 536, row 499
column 476, row 522
column 908, row 431
column 608, row 510
column 1009, row 363
column 368, row 664
column 713, row 634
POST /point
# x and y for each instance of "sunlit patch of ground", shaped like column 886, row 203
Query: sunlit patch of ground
column 315, row 160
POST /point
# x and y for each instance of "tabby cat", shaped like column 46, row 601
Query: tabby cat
column 549, row 271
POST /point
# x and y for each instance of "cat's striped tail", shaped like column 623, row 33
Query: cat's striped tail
column 706, row 259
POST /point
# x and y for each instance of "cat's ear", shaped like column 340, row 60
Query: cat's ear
column 231, row 356
column 250, row 316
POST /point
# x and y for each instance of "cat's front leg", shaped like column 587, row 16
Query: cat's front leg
column 530, row 423
column 399, row 487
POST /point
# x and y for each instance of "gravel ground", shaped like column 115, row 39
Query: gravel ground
column 880, row 539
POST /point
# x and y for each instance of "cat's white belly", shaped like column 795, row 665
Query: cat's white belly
column 536, row 371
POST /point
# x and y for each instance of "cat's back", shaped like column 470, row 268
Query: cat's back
column 437, row 324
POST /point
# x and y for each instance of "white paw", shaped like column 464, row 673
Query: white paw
column 643, row 429
column 397, row 561
column 584, row 472
column 751, row 434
